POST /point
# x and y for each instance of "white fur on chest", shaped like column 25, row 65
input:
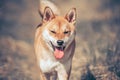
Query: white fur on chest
column 48, row 65
column 47, row 62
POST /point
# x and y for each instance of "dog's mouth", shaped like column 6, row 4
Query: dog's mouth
column 58, row 51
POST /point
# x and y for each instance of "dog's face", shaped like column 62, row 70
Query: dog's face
column 58, row 31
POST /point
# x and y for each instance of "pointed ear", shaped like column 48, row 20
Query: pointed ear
column 48, row 14
column 71, row 15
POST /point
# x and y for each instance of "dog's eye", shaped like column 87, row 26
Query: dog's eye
column 53, row 32
column 66, row 32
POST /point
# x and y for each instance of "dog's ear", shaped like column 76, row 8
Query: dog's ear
column 71, row 16
column 48, row 14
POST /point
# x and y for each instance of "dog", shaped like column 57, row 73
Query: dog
column 55, row 42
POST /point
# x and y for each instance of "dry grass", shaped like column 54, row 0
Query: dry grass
column 17, row 62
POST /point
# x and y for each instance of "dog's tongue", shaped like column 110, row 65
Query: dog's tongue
column 58, row 53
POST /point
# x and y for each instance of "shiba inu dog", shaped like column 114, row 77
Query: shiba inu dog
column 55, row 42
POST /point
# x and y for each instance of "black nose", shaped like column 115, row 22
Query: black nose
column 60, row 42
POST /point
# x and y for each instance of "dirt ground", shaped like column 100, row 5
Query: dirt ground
column 17, row 62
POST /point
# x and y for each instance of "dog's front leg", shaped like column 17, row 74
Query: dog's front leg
column 61, row 72
column 42, row 76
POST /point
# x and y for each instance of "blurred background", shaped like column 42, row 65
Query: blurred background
column 97, row 55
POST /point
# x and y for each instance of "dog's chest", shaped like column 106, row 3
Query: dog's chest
column 47, row 65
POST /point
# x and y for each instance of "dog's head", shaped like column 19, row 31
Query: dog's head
column 58, row 31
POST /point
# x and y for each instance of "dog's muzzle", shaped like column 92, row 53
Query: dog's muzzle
column 60, row 42
column 58, row 50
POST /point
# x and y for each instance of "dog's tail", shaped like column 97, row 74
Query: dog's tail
column 47, row 3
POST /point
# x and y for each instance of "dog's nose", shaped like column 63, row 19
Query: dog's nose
column 60, row 42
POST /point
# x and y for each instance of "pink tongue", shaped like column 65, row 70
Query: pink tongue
column 58, row 54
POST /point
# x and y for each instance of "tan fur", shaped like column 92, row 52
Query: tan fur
column 55, row 28
column 44, row 3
